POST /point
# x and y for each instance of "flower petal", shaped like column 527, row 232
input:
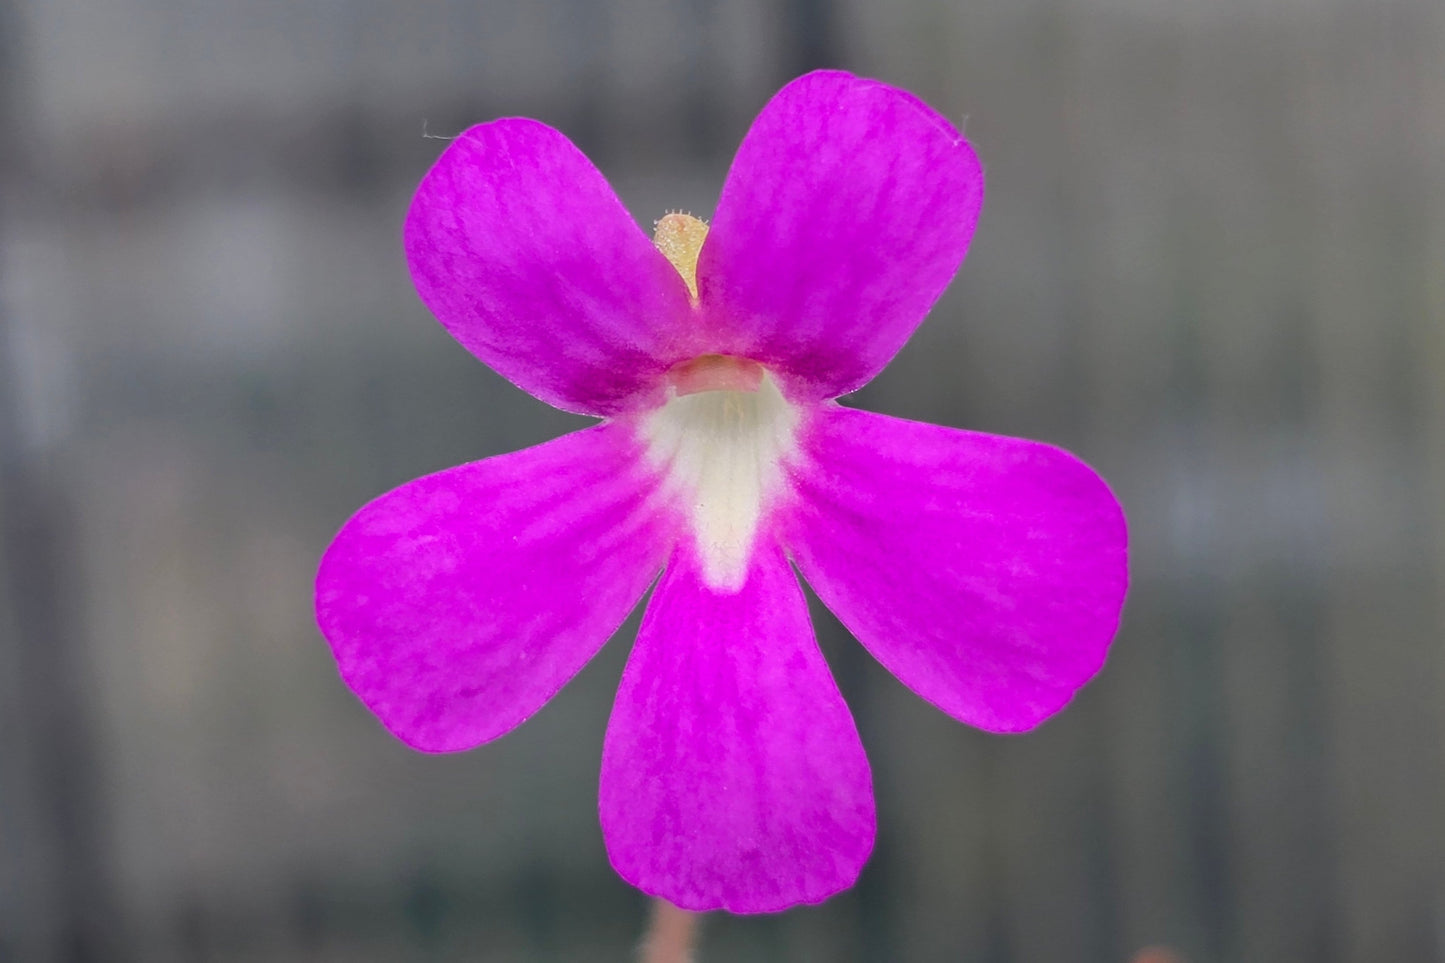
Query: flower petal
column 987, row 573
column 847, row 210
column 459, row 603
column 523, row 252
column 732, row 773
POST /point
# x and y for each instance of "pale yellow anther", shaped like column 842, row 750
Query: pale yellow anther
column 679, row 237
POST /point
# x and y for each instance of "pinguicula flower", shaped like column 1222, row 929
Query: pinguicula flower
column 986, row 573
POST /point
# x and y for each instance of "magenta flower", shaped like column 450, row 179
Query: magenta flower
column 986, row 573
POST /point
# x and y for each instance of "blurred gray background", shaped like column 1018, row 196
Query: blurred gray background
column 1211, row 261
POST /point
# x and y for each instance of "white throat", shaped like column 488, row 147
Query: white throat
column 722, row 452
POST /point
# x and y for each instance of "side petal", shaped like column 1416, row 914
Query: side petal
column 848, row 208
column 732, row 773
column 459, row 603
column 523, row 252
column 986, row 573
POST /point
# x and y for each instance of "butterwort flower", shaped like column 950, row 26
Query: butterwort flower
column 986, row 573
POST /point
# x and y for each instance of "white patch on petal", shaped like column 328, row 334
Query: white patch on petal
column 723, row 452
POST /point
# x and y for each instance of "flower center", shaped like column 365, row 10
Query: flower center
column 722, row 450
column 715, row 372
column 722, row 435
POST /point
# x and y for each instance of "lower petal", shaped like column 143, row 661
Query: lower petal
column 459, row 603
column 732, row 774
column 987, row 573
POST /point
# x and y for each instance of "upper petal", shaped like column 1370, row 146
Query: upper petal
column 848, row 208
column 987, row 573
column 523, row 252
column 459, row 603
column 732, row 773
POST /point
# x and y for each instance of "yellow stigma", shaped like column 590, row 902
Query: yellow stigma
column 679, row 237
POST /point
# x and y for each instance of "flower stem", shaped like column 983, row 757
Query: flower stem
column 670, row 935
